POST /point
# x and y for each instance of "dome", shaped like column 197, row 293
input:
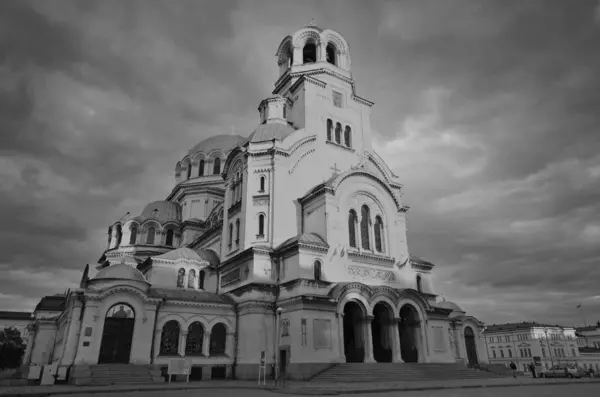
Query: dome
column 268, row 132
column 449, row 305
column 165, row 211
column 121, row 272
column 218, row 142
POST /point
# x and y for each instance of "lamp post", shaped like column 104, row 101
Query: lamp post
column 277, row 339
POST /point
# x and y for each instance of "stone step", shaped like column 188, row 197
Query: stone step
column 115, row 374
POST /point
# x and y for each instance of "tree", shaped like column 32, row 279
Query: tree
column 11, row 348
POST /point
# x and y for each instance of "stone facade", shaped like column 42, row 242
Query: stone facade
column 290, row 242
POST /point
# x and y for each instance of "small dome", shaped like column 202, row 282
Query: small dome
column 163, row 211
column 268, row 132
column 226, row 143
column 120, row 272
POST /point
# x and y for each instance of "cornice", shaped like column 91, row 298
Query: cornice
column 209, row 186
column 250, row 287
column 372, row 257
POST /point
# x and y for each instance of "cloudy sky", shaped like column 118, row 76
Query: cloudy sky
column 489, row 111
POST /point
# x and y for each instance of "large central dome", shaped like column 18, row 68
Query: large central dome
column 217, row 142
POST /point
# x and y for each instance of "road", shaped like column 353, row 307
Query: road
column 573, row 389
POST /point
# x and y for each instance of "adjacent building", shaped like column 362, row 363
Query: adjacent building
column 588, row 341
column 18, row 320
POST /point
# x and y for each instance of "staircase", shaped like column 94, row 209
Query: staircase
column 398, row 372
column 114, row 374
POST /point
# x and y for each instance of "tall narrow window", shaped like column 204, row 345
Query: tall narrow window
column 241, row 191
column 364, row 227
column 189, row 170
column 347, row 134
column 217, row 166
column 201, row 279
column 285, row 111
column 169, row 240
column 317, row 270
column 201, row 168
column 378, row 234
column 309, row 52
column 133, row 235
column 119, row 235
column 181, row 277
column 192, row 279
column 352, row 228
column 237, row 231
column 150, row 235
column 230, row 234
column 329, row 129
column 338, row 133
column 330, row 53
column 262, row 183
column 419, row 283
column 261, row 225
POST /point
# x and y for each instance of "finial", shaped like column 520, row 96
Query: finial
column 312, row 22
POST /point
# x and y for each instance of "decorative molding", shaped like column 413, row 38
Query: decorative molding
column 301, row 143
column 293, row 167
column 374, row 274
column 261, row 170
column 372, row 258
column 231, row 277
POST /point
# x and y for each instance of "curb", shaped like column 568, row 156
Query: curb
column 129, row 390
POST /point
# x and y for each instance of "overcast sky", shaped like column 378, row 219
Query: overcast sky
column 489, row 111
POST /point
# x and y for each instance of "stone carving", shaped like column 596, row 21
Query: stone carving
column 374, row 274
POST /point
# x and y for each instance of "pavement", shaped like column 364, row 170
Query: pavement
column 292, row 388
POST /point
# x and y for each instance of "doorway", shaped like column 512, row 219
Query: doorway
column 117, row 335
column 380, row 330
column 471, row 347
column 353, row 333
column 409, row 330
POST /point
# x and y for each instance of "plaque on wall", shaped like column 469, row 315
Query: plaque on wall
column 322, row 334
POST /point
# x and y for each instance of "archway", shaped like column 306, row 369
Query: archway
column 381, row 330
column 354, row 340
column 409, row 330
column 117, row 335
column 471, row 347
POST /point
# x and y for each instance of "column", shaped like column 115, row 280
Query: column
column 397, row 353
column 297, row 55
column 368, row 342
column 321, row 52
column 157, row 337
column 206, row 344
column 229, row 344
column 340, row 318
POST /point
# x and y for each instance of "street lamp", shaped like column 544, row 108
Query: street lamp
column 277, row 338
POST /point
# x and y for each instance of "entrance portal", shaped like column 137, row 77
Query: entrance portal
column 117, row 335
column 354, row 346
column 381, row 329
column 471, row 347
column 409, row 329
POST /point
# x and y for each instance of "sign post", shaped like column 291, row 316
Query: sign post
column 262, row 368
column 179, row 366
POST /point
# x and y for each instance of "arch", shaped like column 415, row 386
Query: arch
column 471, row 346
column 353, row 331
column 117, row 334
column 133, row 231
column 329, row 130
column 150, row 235
column 338, row 133
column 217, row 166
column 409, row 330
column 378, row 233
column 352, row 222
column 201, row 277
column 261, row 224
column 365, row 221
column 195, row 339
column 201, row 166
column 301, row 37
column 218, row 339
column 119, row 235
column 181, row 277
column 120, row 310
column 309, row 51
column 358, row 172
column 285, row 48
column 262, row 182
column 419, row 283
column 348, row 136
column 382, row 329
column 331, row 54
column 317, row 269
column 192, row 279
column 169, row 338
column 169, row 238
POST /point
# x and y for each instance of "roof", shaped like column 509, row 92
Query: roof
column 304, row 238
column 225, row 143
column 189, row 295
column 210, row 256
column 120, row 272
column 165, row 211
column 419, row 261
column 6, row 315
column 519, row 326
column 51, row 303
column 588, row 328
column 448, row 305
column 270, row 131
column 181, row 253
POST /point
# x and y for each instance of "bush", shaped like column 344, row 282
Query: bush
column 11, row 348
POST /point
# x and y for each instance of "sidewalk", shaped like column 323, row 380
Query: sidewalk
column 294, row 388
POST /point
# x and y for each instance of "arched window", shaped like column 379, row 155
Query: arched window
column 237, row 231
column 181, row 277
column 109, row 235
column 419, row 283
column 192, row 279
column 364, row 227
column 347, row 135
column 317, row 270
column 329, row 129
column 169, row 239
column 262, row 183
column 189, row 170
column 284, row 111
column 378, row 234
column 330, row 53
column 119, row 235
column 201, row 168
column 309, row 52
column 201, row 279
column 169, row 339
column 240, row 190
column 261, row 225
column 352, row 228
column 133, row 236
column 338, row 133
column 150, row 235
column 230, row 233
column 195, row 337
column 217, row 166
column 218, row 338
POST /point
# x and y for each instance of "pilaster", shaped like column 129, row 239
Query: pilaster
column 368, row 340
column 182, row 342
column 340, row 319
column 397, row 351
column 206, row 344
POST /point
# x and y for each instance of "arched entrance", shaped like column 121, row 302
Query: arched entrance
column 354, row 320
column 471, row 346
column 381, row 329
column 117, row 334
column 409, row 329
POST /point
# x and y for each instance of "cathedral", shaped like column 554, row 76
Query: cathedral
column 285, row 247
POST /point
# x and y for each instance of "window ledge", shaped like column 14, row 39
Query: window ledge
column 349, row 148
